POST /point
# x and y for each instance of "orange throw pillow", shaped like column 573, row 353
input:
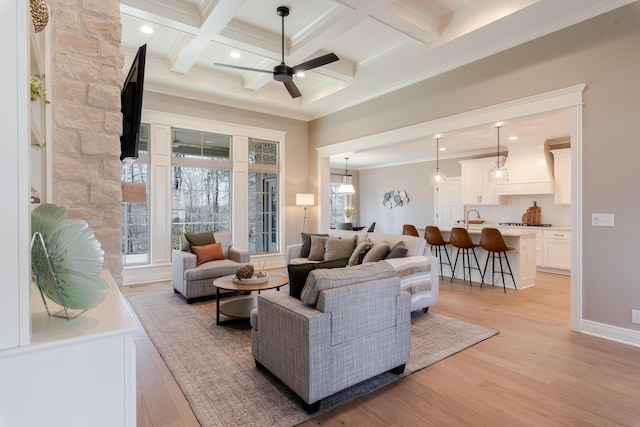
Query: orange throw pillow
column 206, row 253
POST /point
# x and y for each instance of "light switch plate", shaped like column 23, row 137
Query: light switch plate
column 602, row 220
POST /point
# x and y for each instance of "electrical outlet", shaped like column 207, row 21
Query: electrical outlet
column 635, row 316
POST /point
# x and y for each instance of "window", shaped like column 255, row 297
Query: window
column 263, row 196
column 337, row 203
column 135, row 224
column 201, row 183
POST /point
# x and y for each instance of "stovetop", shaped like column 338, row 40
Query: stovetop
column 522, row 224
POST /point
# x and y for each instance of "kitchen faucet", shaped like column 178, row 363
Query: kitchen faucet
column 466, row 217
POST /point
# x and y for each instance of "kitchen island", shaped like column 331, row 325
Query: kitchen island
column 522, row 259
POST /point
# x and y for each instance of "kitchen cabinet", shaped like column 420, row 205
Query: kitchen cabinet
column 562, row 176
column 556, row 249
column 476, row 188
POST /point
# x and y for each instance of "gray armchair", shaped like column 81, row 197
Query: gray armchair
column 196, row 282
column 352, row 324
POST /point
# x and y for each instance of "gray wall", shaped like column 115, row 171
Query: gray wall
column 603, row 53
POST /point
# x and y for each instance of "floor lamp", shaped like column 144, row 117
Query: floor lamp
column 303, row 199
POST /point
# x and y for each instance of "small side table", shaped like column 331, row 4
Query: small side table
column 240, row 307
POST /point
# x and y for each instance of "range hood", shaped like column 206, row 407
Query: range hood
column 530, row 169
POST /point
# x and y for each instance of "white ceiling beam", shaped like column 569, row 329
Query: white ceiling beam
column 182, row 19
column 409, row 23
column 217, row 19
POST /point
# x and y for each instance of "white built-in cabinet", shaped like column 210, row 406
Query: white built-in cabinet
column 556, row 249
column 476, row 188
column 562, row 176
column 54, row 371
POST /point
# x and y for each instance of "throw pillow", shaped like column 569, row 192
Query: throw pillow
column 322, row 279
column 200, row 239
column 398, row 251
column 338, row 248
column 316, row 252
column 376, row 253
column 207, row 253
column 358, row 253
column 298, row 273
column 306, row 243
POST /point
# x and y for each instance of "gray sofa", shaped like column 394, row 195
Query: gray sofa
column 196, row 282
column 419, row 272
column 352, row 323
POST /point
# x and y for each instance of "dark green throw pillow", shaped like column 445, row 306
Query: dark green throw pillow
column 200, row 239
column 306, row 243
column 298, row 273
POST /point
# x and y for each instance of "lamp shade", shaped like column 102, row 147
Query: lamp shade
column 305, row 199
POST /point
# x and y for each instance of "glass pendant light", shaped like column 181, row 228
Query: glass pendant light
column 437, row 177
column 498, row 175
column 346, row 187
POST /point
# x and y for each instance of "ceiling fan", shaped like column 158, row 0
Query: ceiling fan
column 284, row 73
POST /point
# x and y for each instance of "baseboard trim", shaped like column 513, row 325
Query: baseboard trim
column 613, row 333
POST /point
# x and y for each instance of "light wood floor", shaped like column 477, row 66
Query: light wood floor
column 535, row 372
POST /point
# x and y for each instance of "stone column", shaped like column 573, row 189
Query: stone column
column 86, row 77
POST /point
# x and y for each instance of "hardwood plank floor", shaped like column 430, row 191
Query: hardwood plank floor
column 535, row 372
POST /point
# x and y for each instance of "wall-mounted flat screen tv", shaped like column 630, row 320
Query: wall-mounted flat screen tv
column 131, row 108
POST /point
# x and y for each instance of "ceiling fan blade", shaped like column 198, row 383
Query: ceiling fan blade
column 314, row 63
column 237, row 67
column 293, row 89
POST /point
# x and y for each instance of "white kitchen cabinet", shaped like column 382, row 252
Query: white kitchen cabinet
column 476, row 188
column 556, row 249
column 562, row 176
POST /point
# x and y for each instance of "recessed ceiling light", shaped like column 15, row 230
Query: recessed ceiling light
column 513, row 138
column 443, row 149
column 146, row 29
column 235, row 54
column 300, row 74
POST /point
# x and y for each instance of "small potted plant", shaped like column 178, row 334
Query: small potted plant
column 348, row 213
column 38, row 91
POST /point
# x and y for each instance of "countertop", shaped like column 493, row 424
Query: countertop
column 513, row 232
column 517, row 227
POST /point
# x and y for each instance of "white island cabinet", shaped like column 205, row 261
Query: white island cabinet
column 522, row 259
column 78, row 372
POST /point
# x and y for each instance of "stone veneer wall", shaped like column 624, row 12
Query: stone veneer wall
column 85, row 77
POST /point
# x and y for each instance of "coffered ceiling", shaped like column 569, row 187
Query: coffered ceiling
column 382, row 45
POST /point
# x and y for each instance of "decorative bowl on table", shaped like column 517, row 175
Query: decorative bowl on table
column 259, row 277
column 476, row 221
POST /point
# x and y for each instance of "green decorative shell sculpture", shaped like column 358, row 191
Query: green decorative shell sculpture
column 67, row 269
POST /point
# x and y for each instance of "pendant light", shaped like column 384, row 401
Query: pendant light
column 437, row 177
column 346, row 187
column 498, row 175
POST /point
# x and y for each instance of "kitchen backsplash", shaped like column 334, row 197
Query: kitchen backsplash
column 513, row 207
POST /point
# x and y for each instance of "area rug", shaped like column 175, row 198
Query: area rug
column 216, row 372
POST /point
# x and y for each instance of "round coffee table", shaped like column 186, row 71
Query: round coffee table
column 240, row 307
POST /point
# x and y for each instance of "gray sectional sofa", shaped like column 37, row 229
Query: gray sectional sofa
column 419, row 272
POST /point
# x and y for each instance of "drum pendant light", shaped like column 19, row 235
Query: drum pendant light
column 346, row 187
